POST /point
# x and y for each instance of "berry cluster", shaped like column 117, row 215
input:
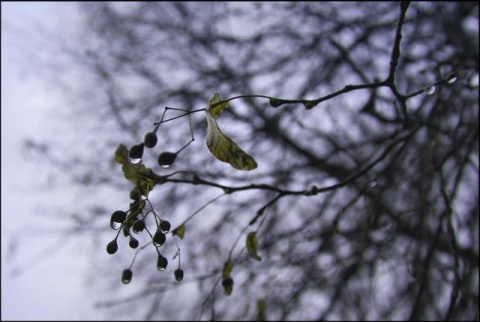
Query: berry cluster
column 132, row 222
column 135, row 225
column 165, row 159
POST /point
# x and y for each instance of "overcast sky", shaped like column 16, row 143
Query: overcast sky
column 47, row 287
column 43, row 278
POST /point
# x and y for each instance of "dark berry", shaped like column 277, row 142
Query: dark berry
column 159, row 238
column 227, row 282
column 136, row 151
column 150, row 139
column 112, row 247
column 162, row 263
column 178, row 274
column 166, row 159
column 127, row 276
column 133, row 243
column 119, row 216
column 138, row 226
column 165, row 226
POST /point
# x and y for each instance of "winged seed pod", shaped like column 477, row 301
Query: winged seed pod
column 224, row 149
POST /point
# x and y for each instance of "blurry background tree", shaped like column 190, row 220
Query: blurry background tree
column 365, row 206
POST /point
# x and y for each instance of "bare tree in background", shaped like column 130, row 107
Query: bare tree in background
column 365, row 198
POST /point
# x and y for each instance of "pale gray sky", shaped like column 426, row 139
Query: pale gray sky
column 52, row 288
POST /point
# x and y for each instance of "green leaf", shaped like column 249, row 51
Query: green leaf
column 121, row 154
column 179, row 231
column 224, row 149
column 138, row 174
column 252, row 245
column 227, row 283
column 142, row 177
column 217, row 106
column 227, row 280
column 261, row 308
column 227, row 268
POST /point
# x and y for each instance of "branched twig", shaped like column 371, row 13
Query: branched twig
column 396, row 47
column 453, row 242
column 262, row 210
column 306, row 192
column 202, row 207
column 417, row 307
column 390, row 81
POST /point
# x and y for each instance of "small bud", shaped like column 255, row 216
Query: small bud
column 275, row 102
